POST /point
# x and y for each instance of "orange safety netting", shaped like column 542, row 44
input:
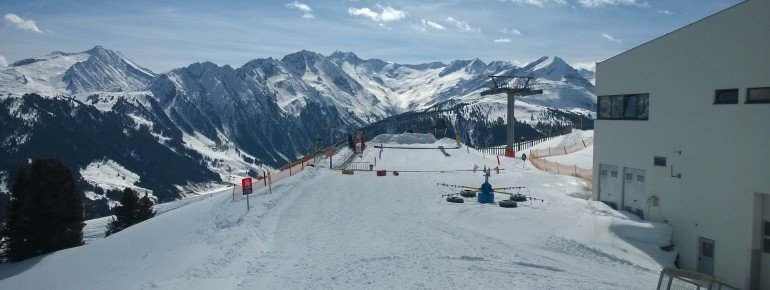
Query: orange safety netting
column 536, row 158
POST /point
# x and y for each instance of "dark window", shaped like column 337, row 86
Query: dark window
column 624, row 107
column 767, row 229
column 629, row 176
column 629, row 111
column 604, row 172
column 766, row 238
column 726, row 96
column 614, row 173
column 640, row 178
column 659, row 161
column 605, row 106
column 617, row 107
column 758, row 95
column 707, row 250
column 643, row 106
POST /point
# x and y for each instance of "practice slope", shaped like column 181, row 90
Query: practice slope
column 321, row 229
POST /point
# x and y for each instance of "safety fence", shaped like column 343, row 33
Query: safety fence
column 537, row 160
column 360, row 166
column 563, row 150
column 675, row 279
column 556, row 167
column 267, row 177
column 500, row 150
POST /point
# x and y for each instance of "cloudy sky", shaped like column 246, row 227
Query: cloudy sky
column 162, row 35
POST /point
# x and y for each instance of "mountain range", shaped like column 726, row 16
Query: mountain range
column 117, row 124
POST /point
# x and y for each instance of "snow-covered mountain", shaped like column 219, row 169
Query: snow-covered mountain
column 226, row 121
column 59, row 73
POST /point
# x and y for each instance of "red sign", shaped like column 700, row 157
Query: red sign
column 329, row 152
column 246, row 185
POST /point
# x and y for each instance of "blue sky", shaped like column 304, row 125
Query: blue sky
column 162, row 35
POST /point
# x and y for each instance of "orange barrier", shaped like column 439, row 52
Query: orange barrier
column 564, row 150
column 536, row 158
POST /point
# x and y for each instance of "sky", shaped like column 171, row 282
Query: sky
column 163, row 35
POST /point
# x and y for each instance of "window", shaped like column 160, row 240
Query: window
column 605, row 105
column 630, row 108
column 726, row 96
column 617, row 108
column 659, row 161
column 707, row 250
column 758, row 95
column 766, row 238
column 624, row 107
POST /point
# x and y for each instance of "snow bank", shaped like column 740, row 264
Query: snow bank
column 405, row 138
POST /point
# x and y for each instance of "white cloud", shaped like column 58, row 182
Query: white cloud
column 20, row 23
column 3, row 63
column 459, row 25
column 511, row 31
column 540, row 3
column 386, row 14
column 306, row 10
column 503, row 40
column 610, row 38
column 667, row 12
column 425, row 24
column 598, row 3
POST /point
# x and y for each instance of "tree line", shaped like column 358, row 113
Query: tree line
column 45, row 212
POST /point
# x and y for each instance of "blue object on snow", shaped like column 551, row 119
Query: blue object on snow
column 486, row 195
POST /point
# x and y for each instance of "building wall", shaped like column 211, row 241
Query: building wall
column 725, row 157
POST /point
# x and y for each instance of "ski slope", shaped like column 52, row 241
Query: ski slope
column 322, row 229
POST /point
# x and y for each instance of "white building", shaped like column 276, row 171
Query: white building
column 683, row 136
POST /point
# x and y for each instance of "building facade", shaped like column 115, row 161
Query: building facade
column 683, row 136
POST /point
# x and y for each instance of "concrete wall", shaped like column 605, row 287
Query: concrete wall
column 725, row 157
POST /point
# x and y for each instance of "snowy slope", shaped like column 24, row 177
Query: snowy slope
column 322, row 229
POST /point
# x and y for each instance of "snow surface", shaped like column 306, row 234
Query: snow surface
column 109, row 175
column 322, row 229
column 95, row 228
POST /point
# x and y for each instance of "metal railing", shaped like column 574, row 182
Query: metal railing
column 520, row 146
column 676, row 279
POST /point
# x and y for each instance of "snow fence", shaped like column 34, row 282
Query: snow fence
column 536, row 157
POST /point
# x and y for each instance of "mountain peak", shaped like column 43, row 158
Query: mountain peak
column 106, row 70
column 345, row 56
column 474, row 66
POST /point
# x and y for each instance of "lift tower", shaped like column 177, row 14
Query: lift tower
column 512, row 86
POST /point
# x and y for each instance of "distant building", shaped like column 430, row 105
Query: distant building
column 683, row 136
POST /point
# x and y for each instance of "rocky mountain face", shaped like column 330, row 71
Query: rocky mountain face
column 166, row 133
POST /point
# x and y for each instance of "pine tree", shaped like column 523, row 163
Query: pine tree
column 126, row 214
column 16, row 229
column 45, row 213
column 145, row 209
